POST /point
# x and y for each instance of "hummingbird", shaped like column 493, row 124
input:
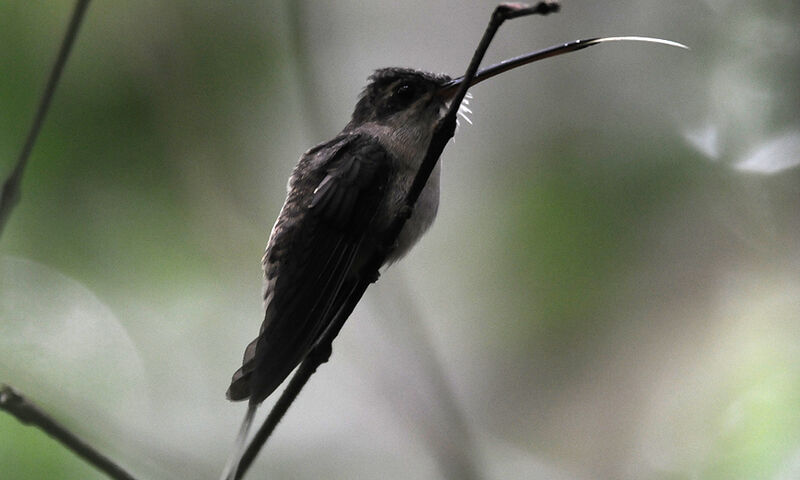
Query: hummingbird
column 343, row 195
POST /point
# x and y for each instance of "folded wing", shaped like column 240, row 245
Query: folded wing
column 309, row 264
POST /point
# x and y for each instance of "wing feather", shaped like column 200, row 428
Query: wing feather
column 316, row 242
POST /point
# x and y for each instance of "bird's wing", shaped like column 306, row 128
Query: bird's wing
column 310, row 256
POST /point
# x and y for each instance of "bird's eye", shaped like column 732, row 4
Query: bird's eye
column 404, row 94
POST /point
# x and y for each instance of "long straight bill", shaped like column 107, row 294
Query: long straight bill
column 553, row 51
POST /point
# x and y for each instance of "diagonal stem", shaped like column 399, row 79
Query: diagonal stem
column 445, row 129
column 10, row 194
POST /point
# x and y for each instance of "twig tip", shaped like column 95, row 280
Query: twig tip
column 513, row 10
column 7, row 394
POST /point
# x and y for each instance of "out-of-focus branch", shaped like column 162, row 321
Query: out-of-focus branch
column 12, row 401
column 10, row 194
column 312, row 111
column 438, row 418
column 28, row 413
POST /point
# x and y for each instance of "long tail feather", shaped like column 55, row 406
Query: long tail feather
column 232, row 465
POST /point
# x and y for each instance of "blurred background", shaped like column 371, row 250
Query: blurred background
column 611, row 289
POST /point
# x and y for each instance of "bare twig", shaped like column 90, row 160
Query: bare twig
column 10, row 195
column 29, row 414
column 444, row 131
column 12, row 401
column 447, row 126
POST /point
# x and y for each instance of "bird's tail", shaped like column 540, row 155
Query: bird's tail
column 232, row 465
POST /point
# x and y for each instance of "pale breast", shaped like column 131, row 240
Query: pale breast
column 421, row 218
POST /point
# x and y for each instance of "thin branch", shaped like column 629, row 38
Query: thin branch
column 29, row 414
column 10, row 195
column 447, row 125
column 443, row 133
